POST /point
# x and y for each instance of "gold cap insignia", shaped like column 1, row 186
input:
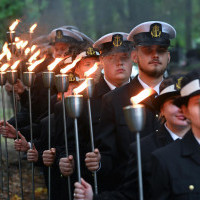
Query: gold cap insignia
column 72, row 77
column 59, row 34
column 90, row 51
column 178, row 84
column 117, row 40
column 156, row 30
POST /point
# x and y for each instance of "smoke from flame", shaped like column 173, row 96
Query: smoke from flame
column 14, row 24
column 142, row 95
column 35, row 64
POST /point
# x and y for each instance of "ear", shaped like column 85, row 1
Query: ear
column 134, row 56
column 169, row 57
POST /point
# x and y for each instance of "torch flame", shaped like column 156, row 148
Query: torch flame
column 68, row 67
column 35, row 64
column 33, row 48
column 6, row 51
column 142, row 95
column 24, row 44
column 17, row 39
column 14, row 24
column 15, row 65
column 27, row 50
column 4, row 67
column 34, row 56
column 19, row 44
column 80, row 88
column 91, row 70
column 53, row 65
column 32, row 28
column 2, row 55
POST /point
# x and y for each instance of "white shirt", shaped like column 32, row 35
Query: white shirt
column 111, row 86
column 145, row 86
column 173, row 135
column 197, row 139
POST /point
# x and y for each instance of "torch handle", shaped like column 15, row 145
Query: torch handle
column 6, row 144
column 31, row 133
column 49, row 141
column 92, row 144
column 77, row 150
column 139, row 163
column 66, row 144
column 19, row 157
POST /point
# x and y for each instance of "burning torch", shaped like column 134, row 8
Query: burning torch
column 31, row 30
column 11, row 34
column 62, row 83
column 135, row 117
column 28, row 79
column 48, row 80
column 12, row 79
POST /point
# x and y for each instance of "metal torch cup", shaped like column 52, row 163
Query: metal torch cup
column 28, row 80
column 11, row 39
column 74, row 107
column 135, row 117
column 2, row 82
column 62, row 84
column 48, row 80
column 12, row 79
column 90, row 92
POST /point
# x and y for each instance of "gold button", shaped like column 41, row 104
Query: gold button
column 191, row 187
column 157, row 115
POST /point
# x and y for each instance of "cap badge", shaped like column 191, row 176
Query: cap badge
column 90, row 51
column 156, row 30
column 178, row 84
column 117, row 40
column 59, row 34
column 72, row 78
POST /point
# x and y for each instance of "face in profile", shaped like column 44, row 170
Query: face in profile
column 173, row 115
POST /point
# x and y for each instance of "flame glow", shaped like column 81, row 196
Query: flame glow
column 32, row 28
column 53, row 65
column 142, row 95
column 68, row 67
column 33, row 48
column 4, row 67
column 2, row 55
column 17, row 39
column 34, row 56
column 15, row 65
column 91, row 70
column 24, row 44
column 6, row 50
column 19, row 44
column 80, row 88
column 35, row 64
column 14, row 24
column 27, row 51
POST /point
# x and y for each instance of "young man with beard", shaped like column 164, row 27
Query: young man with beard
column 151, row 40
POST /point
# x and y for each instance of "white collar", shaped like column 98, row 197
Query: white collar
column 197, row 139
column 111, row 86
column 173, row 135
column 145, row 86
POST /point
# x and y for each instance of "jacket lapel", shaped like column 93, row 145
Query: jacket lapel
column 190, row 147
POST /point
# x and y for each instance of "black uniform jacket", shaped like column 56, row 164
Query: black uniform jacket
column 114, row 136
column 128, row 189
column 83, row 127
column 176, row 170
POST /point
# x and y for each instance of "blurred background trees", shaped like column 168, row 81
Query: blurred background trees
column 98, row 17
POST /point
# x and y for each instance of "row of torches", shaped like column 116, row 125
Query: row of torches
column 134, row 114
